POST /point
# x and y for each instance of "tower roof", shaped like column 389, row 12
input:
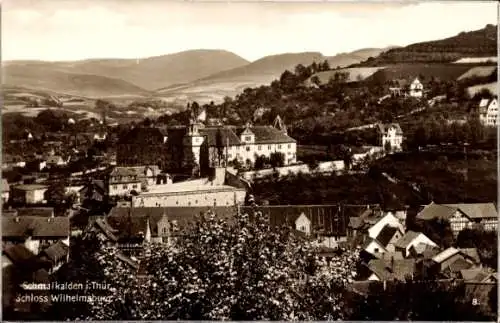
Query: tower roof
column 279, row 124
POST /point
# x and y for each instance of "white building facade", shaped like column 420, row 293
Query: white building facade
column 416, row 89
column 488, row 112
column 391, row 135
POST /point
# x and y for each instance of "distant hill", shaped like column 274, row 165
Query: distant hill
column 260, row 72
column 478, row 43
column 148, row 73
column 45, row 79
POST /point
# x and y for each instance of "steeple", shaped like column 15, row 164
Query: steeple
column 279, row 124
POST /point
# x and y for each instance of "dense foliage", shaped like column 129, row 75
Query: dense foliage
column 486, row 243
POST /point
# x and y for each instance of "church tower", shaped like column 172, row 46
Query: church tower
column 192, row 143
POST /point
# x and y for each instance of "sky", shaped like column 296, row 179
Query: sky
column 80, row 29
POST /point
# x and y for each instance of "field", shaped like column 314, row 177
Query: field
column 492, row 87
column 355, row 74
column 479, row 71
column 444, row 72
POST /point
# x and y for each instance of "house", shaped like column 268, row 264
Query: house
column 35, row 232
column 416, row 88
column 20, row 265
column 149, row 175
column 100, row 136
column 387, row 220
column 5, row 191
column 412, row 239
column 463, row 215
column 129, row 228
column 324, row 221
column 221, row 189
column 57, row 255
column 28, row 193
column 391, row 136
column 488, row 112
column 94, row 190
column 391, row 269
column 451, row 261
column 122, row 181
column 384, row 242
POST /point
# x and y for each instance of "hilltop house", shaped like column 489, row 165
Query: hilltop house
column 391, row 136
column 463, row 215
column 416, row 88
column 488, row 112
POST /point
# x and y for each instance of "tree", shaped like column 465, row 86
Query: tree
column 56, row 194
column 219, row 146
column 216, row 269
column 387, row 147
column 277, row 159
column 261, row 161
column 485, row 242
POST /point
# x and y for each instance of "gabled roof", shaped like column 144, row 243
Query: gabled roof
column 386, row 234
column 54, row 159
column 18, row 253
column 476, row 210
column 56, row 251
column 459, row 264
column 445, row 254
column 477, row 275
column 471, row 253
column 425, row 250
column 387, row 269
column 383, row 128
column 35, row 226
column 268, row 134
column 405, row 240
column 434, row 210
column 228, row 137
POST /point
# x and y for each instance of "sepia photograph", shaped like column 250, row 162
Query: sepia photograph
column 249, row 160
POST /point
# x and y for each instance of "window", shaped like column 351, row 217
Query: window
column 196, row 202
column 259, row 147
column 189, row 203
column 248, row 138
column 115, row 187
column 302, row 228
column 164, row 230
column 125, row 187
column 177, row 202
column 229, row 156
column 289, row 145
column 248, row 148
column 279, row 146
column 269, row 147
column 289, row 153
column 134, row 186
column 375, row 250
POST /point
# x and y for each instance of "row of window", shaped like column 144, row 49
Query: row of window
column 259, row 147
column 134, row 186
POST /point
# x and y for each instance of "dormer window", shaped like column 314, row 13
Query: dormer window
column 248, row 138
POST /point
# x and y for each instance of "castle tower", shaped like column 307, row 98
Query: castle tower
column 192, row 142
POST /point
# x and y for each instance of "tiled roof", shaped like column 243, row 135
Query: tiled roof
column 228, row 137
column 387, row 269
column 476, row 210
column 327, row 217
column 18, row 253
column 445, row 254
column 471, row 253
column 386, row 234
column 35, row 211
column 30, row 187
column 268, row 134
column 56, row 251
column 36, row 226
column 405, row 240
column 434, row 210
column 477, row 275
column 355, row 222
column 123, row 171
column 459, row 264
column 182, row 215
